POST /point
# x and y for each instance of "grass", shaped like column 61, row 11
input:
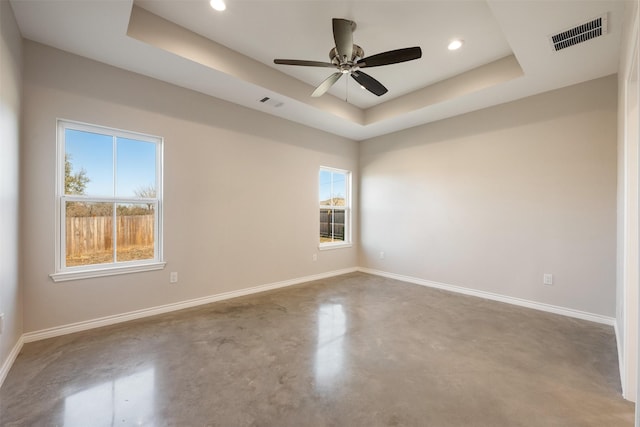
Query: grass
column 130, row 253
column 330, row 240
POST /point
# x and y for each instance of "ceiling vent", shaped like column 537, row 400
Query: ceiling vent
column 587, row 31
column 271, row 102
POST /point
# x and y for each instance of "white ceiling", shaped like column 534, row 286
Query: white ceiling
column 229, row 55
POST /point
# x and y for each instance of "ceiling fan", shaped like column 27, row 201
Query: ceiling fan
column 349, row 58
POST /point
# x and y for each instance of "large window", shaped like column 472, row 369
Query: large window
column 109, row 195
column 335, row 207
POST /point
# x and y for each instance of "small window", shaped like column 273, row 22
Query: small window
column 109, row 201
column 335, row 208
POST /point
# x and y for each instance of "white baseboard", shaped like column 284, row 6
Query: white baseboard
column 497, row 297
column 8, row 363
column 138, row 314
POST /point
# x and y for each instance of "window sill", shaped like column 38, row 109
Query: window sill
column 330, row 246
column 111, row 271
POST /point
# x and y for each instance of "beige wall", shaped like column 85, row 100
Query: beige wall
column 10, row 93
column 241, row 206
column 493, row 199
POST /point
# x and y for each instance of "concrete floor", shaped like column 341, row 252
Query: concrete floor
column 354, row 350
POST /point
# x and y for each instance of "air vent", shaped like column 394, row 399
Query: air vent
column 271, row 102
column 587, row 31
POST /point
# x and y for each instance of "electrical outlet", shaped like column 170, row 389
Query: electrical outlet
column 547, row 279
column 173, row 277
column 1, row 322
column 314, row 257
column 381, row 255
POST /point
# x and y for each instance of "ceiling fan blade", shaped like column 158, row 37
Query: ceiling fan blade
column 369, row 83
column 301, row 62
column 391, row 57
column 326, row 84
column 343, row 36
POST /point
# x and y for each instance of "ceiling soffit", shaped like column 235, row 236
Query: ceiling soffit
column 175, row 39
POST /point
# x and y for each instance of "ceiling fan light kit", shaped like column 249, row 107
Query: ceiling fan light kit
column 348, row 58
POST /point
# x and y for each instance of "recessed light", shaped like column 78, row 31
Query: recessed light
column 218, row 5
column 455, row 44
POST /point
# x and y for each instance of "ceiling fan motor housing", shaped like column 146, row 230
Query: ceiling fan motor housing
column 350, row 63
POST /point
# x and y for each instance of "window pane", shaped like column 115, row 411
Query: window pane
column 339, row 190
column 89, row 233
column 333, row 188
column 325, row 187
column 331, row 225
column 88, row 163
column 136, row 168
column 135, row 222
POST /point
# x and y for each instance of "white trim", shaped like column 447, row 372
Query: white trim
column 64, row 276
column 124, row 317
column 120, row 133
column 628, row 358
column 138, row 314
column 8, row 363
column 330, row 246
column 569, row 312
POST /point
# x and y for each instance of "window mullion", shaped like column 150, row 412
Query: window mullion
column 62, row 247
column 114, row 232
column 115, row 166
column 114, row 241
column 331, row 194
column 71, row 198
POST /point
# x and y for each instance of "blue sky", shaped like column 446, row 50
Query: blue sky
column 332, row 184
column 135, row 163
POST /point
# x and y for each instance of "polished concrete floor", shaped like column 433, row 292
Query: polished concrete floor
column 354, row 350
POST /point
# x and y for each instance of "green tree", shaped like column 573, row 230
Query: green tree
column 74, row 183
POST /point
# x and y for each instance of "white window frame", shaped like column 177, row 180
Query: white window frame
column 64, row 273
column 347, row 210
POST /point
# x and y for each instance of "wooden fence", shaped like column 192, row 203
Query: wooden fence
column 332, row 224
column 95, row 234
